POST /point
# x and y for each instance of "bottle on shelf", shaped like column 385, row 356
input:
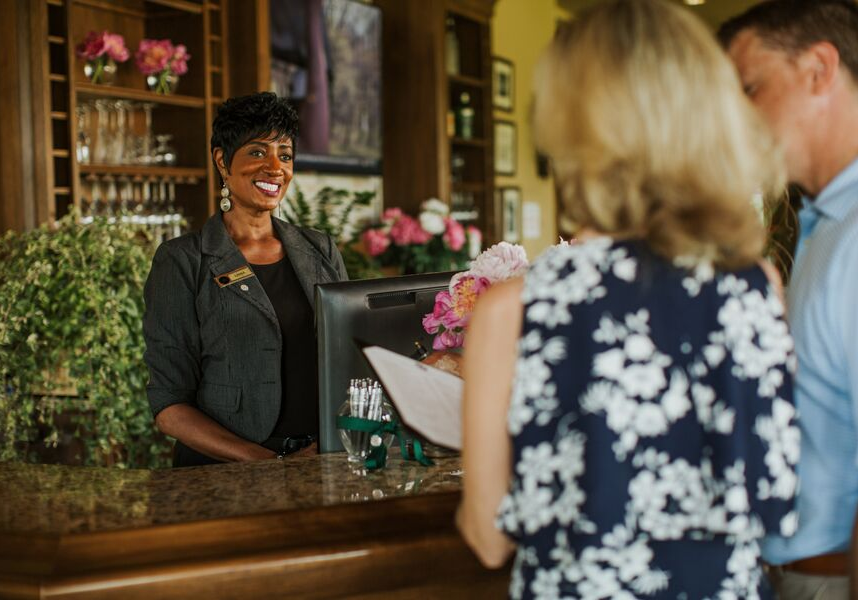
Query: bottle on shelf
column 451, row 48
column 465, row 117
column 457, row 166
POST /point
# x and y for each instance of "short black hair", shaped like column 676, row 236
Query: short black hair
column 245, row 118
column 795, row 25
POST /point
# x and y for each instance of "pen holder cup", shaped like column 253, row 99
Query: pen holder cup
column 358, row 444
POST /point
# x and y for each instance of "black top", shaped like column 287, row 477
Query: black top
column 299, row 407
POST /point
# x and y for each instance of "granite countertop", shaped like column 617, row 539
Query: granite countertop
column 57, row 500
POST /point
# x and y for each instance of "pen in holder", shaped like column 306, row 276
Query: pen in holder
column 365, row 400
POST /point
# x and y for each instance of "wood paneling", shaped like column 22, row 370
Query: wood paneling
column 398, row 548
column 249, row 36
column 414, row 102
column 23, row 126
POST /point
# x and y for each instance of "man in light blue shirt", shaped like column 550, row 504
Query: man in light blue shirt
column 798, row 62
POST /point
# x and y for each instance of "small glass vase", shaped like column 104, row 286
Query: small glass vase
column 164, row 82
column 100, row 70
column 358, row 444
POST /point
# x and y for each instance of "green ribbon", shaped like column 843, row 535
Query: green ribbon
column 377, row 457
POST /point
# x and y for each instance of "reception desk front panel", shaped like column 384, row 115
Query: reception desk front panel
column 308, row 527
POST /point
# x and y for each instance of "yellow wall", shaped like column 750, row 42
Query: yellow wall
column 520, row 31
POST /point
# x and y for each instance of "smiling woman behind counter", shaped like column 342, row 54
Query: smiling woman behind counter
column 230, row 343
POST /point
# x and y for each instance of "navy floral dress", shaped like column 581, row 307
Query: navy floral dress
column 654, row 435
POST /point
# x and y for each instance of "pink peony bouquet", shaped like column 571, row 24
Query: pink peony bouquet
column 434, row 241
column 161, row 62
column 453, row 307
column 97, row 49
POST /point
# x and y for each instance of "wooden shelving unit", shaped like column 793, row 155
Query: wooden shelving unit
column 471, row 159
column 198, row 24
column 419, row 152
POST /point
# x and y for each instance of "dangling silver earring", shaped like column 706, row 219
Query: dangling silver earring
column 225, row 203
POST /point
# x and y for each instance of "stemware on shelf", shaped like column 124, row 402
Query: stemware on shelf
column 83, row 143
column 101, row 139
column 150, row 201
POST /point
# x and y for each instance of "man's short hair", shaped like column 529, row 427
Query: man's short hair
column 795, row 25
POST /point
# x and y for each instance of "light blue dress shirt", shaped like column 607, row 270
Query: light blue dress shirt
column 822, row 301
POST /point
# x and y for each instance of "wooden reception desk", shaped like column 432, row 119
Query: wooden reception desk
column 308, row 527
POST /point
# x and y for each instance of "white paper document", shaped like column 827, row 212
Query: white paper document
column 427, row 399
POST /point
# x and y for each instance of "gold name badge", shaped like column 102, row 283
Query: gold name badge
column 234, row 276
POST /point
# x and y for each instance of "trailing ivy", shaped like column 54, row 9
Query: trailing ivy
column 71, row 301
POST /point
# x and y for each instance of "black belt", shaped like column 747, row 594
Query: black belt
column 288, row 445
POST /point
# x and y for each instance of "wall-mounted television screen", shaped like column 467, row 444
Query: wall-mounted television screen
column 326, row 59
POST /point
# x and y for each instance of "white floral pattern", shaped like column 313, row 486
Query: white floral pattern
column 634, row 378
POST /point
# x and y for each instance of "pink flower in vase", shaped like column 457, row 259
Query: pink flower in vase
column 95, row 45
column 91, row 47
column 391, row 215
column 153, row 56
column 500, row 262
column 448, row 339
column 376, row 241
column 454, row 234
column 179, row 60
column 443, row 305
column 464, row 294
column 114, row 45
column 407, row 231
column 420, row 235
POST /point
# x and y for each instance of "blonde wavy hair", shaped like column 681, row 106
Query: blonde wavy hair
column 651, row 135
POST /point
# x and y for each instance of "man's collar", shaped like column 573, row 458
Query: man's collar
column 839, row 197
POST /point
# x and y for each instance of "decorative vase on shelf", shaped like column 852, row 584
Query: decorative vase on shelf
column 100, row 70
column 101, row 51
column 164, row 82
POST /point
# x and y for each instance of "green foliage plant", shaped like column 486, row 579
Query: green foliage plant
column 71, row 301
column 330, row 211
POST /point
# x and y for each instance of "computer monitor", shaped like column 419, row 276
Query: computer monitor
column 385, row 312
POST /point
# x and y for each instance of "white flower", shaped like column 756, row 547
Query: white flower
column 650, row 420
column 546, row 585
column 675, row 400
column 609, row 364
column 736, row 499
column 644, row 380
column 433, row 205
column 536, row 465
column 639, row 347
column 789, row 524
column 625, row 269
column 535, row 508
column 432, row 222
column 499, row 263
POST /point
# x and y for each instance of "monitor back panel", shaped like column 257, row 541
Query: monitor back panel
column 384, row 312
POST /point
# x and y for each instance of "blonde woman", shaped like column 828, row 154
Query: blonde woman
column 628, row 420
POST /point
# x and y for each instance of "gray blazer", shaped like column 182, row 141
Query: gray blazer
column 212, row 338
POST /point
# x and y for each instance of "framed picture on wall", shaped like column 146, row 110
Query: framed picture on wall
column 503, row 84
column 505, row 144
column 508, row 200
